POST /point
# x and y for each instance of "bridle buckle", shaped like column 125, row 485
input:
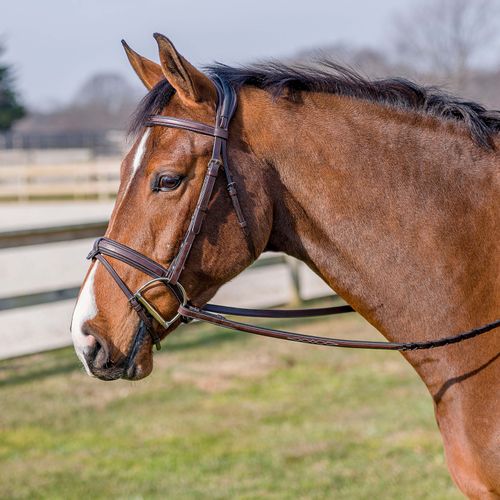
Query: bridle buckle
column 155, row 314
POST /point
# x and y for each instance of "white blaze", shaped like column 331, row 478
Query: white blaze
column 139, row 153
column 136, row 163
column 86, row 307
column 85, row 310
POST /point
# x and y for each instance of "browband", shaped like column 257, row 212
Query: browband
column 185, row 124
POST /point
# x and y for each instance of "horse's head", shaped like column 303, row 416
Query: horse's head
column 161, row 180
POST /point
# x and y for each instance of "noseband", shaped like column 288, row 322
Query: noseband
column 212, row 313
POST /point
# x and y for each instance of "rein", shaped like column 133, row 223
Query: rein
column 212, row 313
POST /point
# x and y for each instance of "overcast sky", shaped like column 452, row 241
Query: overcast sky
column 56, row 44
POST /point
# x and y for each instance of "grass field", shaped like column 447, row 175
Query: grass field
column 224, row 415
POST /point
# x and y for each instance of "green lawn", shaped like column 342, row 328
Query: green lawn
column 224, row 415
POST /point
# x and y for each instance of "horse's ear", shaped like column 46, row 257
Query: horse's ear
column 148, row 71
column 191, row 85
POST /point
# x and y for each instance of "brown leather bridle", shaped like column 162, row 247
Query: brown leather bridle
column 213, row 313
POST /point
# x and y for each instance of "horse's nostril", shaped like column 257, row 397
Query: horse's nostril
column 97, row 353
column 87, row 340
column 100, row 355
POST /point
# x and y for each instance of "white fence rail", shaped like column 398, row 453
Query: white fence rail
column 83, row 177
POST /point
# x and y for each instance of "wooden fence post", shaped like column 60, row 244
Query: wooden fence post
column 293, row 266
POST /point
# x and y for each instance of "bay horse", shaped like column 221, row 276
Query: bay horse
column 388, row 190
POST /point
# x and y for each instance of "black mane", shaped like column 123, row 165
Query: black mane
column 332, row 78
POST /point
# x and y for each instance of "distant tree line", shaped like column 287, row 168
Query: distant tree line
column 437, row 42
column 104, row 102
column 10, row 107
column 444, row 38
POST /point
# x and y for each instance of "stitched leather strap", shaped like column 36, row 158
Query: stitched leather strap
column 185, row 124
column 213, row 313
column 197, row 219
column 278, row 313
column 217, row 319
column 126, row 254
column 105, row 246
column 226, row 107
column 132, row 300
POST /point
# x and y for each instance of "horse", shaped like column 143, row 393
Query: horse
column 386, row 189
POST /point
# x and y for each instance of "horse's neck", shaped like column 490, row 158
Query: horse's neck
column 393, row 210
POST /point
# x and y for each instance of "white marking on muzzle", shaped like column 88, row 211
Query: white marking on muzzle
column 86, row 307
column 85, row 310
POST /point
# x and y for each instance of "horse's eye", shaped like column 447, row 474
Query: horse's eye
column 167, row 182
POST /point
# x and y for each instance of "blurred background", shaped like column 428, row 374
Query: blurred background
column 221, row 416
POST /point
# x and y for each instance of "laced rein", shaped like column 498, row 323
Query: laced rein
column 213, row 313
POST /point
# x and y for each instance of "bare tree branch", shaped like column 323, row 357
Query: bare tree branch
column 446, row 37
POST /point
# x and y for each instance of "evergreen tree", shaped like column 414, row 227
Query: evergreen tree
column 10, row 107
